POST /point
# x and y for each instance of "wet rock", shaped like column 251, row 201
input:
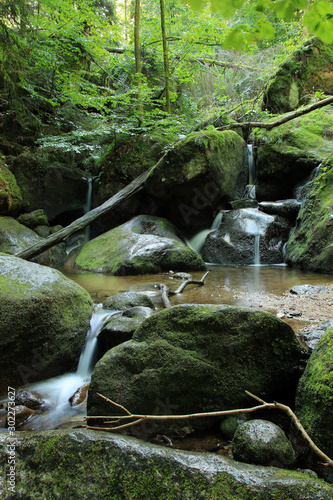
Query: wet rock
column 79, row 395
column 314, row 398
column 44, row 320
column 230, row 424
column 247, row 236
column 22, row 414
column 126, row 300
column 198, row 358
column 244, row 203
column 143, row 245
column 312, row 338
column 122, row 465
column 43, row 231
column 28, row 399
column 118, row 330
column 262, row 443
column 182, row 276
column 284, row 208
column 309, row 289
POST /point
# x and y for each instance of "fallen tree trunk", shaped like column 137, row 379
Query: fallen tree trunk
column 61, row 235
column 285, row 118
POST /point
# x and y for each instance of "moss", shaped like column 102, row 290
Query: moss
column 310, row 244
column 315, row 394
column 10, row 193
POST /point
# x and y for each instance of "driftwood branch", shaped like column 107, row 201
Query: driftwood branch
column 135, row 186
column 165, row 291
column 131, row 419
column 285, row 118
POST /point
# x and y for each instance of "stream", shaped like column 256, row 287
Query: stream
column 265, row 287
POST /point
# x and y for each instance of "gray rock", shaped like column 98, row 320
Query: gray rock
column 138, row 311
column 309, row 289
column 28, row 399
column 118, row 330
column 262, row 443
column 126, row 300
column 284, row 208
column 312, row 338
column 113, row 466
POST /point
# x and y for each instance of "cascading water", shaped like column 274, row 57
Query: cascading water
column 83, row 236
column 197, row 241
column 57, row 391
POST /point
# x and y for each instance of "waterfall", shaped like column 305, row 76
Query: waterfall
column 82, row 236
column 87, row 358
column 256, row 257
column 198, row 240
column 250, row 191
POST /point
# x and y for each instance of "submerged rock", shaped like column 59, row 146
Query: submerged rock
column 44, row 320
column 119, row 467
column 314, row 401
column 261, row 442
column 200, row 174
column 143, row 245
column 198, row 358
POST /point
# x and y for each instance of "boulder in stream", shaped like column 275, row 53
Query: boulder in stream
column 10, row 194
column 144, row 245
column 195, row 358
column 44, row 320
column 247, row 236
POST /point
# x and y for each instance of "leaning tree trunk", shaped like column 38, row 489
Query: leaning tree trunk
column 61, row 235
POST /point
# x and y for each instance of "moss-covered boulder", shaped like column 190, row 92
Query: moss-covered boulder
column 314, row 402
column 198, row 358
column 306, row 71
column 310, row 245
column 86, row 464
column 34, row 219
column 202, row 172
column 14, row 237
column 44, row 320
column 143, row 245
column 262, row 442
column 287, row 154
column 10, row 193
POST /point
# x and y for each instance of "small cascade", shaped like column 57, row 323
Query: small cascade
column 198, row 240
column 302, row 189
column 256, row 256
column 87, row 358
column 57, row 391
column 82, row 236
column 250, row 190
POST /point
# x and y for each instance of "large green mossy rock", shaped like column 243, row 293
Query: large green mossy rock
column 310, row 245
column 202, row 172
column 144, row 245
column 44, row 320
column 15, row 237
column 314, row 402
column 306, row 71
column 198, row 358
column 84, row 464
column 287, row 154
column 10, row 193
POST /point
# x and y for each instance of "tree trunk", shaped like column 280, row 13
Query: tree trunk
column 36, row 249
column 165, row 59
